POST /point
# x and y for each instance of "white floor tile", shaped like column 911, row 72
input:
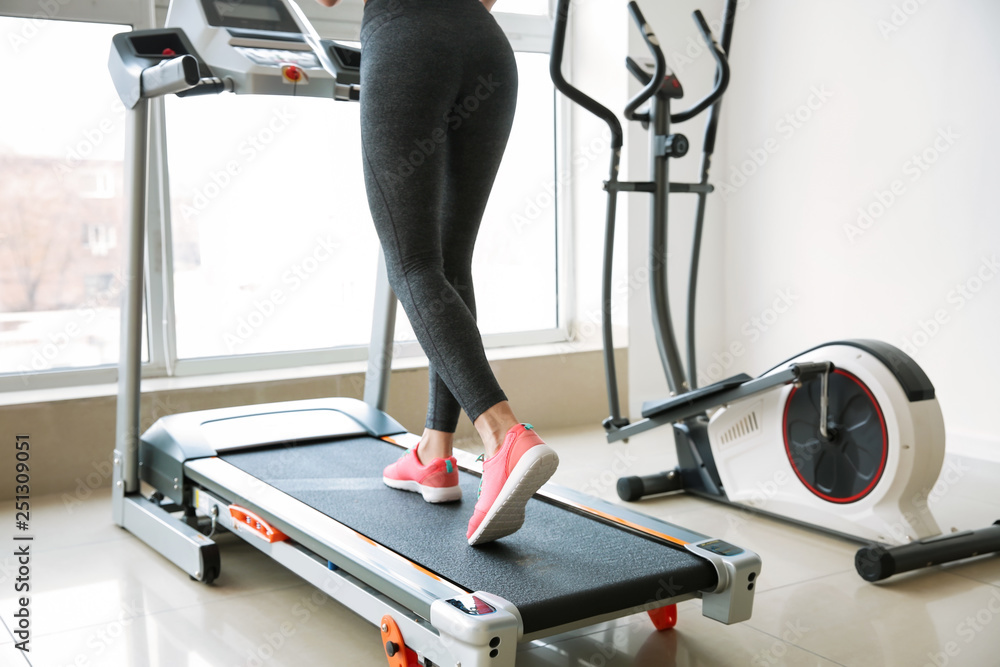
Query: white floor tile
column 911, row 620
column 12, row 657
column 101, row 597
column 290, row 627
column 124, row 579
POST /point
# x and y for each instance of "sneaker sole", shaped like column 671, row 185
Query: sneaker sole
column 432, row 494
column 506, row 515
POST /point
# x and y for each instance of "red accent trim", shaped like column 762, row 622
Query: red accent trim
column 244, row 519
column 402, row 655
column 885, row 449
column 663, row 618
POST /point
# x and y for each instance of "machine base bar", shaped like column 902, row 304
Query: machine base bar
column 875, row 563
column 179, row 543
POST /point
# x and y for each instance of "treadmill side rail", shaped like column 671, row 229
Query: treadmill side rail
column 399, row 578
column 737, row 569
column 428, row 641
column 619, row 514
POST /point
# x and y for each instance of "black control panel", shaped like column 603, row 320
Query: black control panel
column 722, row 548
column 264, row 15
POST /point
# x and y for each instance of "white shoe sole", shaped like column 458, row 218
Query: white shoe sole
column 432, row 494
column 506, row 515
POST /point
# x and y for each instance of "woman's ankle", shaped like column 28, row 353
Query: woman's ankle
column 493, row 425
column 434, row 445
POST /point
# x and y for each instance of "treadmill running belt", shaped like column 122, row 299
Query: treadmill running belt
column 559, row 568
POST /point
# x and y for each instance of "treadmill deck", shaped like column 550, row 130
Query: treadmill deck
column 560, row 568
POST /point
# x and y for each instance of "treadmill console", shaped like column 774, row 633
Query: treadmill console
column 267, row 47
column 254, row 15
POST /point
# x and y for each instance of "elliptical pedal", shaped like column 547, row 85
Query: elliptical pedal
column 657, row 408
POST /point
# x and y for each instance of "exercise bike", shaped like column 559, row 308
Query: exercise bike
column 847, row 437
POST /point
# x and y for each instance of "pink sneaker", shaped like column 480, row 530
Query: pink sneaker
column 437, row 481
column 510, row 478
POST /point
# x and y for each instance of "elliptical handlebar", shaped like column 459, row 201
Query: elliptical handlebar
column 571, row 91
column 721, row 72
column 659, row 73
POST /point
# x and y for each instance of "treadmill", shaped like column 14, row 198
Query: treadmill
column 301, row 480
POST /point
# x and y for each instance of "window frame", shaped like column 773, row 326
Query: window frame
column 527, row 33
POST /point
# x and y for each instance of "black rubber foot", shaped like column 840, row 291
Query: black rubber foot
column 874, row 563
column 630, row 489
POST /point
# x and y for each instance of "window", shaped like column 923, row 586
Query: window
column 274, row 248
column 536, row 7
column 272, row 253
column 60, row 182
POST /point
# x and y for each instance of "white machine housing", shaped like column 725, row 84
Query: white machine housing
column 748, row 443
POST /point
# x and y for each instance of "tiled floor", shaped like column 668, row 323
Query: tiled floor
column 100, row 597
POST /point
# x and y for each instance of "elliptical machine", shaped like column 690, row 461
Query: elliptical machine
column 847, row 437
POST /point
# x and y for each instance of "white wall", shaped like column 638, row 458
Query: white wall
column 886, row 87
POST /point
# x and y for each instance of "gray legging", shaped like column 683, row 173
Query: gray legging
column 438, row 91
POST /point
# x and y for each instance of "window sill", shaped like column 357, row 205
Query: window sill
column 220, row 380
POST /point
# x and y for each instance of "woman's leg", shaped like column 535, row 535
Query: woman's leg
column 439, row 85
column 413, row 116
